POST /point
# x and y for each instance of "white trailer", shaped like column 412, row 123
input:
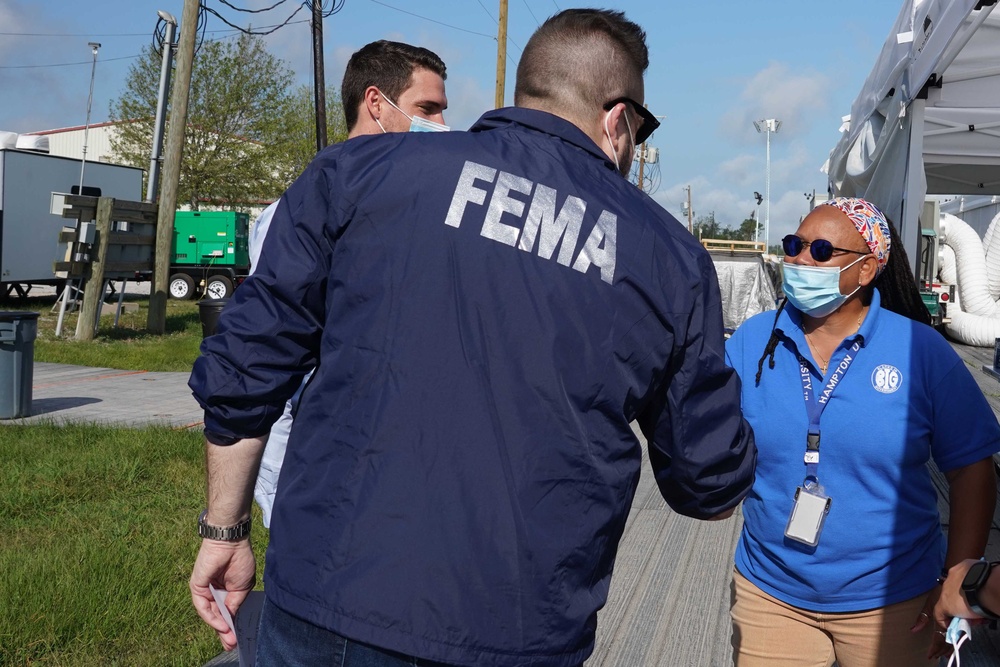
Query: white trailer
column 29, row 232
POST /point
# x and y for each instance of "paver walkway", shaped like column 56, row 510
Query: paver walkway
column 64, row 393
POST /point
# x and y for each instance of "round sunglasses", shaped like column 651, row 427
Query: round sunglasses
column 820, row 249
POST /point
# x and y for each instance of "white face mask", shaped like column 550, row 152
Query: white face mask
column 614, row 153
column 815, row 290
column 417, row 124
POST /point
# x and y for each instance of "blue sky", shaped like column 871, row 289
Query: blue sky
column 714, row 68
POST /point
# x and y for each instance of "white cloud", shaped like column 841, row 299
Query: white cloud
column 778, row 92
column 742, row 170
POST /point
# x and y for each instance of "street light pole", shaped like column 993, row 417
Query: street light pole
column 94, row 47
column 767, row 126
column 166, row 65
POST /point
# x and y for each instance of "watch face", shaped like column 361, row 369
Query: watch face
column 976, row 576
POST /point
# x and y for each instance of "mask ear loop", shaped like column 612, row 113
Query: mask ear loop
column 607, row 133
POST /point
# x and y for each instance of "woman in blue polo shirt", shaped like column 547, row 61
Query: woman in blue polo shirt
column 842, row 544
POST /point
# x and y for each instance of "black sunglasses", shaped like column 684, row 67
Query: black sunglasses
column 649, row 122
column 820, row 249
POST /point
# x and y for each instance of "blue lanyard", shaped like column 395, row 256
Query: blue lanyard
column 816, row 404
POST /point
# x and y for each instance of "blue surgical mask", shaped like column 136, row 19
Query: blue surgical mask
column 815, row 290
column 417, row 124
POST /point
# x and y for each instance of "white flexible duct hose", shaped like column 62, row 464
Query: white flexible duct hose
column 992, row 244
column 971, row 266
column 963, row 327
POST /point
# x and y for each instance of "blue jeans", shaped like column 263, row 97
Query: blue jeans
column 286, row 641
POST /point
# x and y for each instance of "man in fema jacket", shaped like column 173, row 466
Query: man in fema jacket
column 486, row 313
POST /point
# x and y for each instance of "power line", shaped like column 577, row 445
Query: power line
column 73, row 34
column 103, row 60
column 453, row 27
column 83, row 62
column 253, row 32
column 335, row 6
column 253, row 11
column 528, row 7
column 498, row 23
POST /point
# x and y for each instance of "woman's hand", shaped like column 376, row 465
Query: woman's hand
column 938, row 647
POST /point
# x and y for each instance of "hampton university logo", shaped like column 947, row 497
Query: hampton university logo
column 886, row 378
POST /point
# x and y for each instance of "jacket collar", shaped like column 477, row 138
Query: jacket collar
column 544, row 122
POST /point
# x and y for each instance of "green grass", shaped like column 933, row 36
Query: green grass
column 126, row 347
column 97, row 541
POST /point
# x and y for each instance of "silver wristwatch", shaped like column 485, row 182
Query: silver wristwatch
column 223, row 533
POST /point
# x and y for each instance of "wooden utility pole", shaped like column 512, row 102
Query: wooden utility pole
column 501, row 54
column 156, row 321
column 94, row 294
column 642, row 163
column 319, row 77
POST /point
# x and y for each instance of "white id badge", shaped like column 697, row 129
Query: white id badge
column 808, row 514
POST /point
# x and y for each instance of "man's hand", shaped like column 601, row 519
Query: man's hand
column 722, row 515
column 952, row 603
column 227, row 566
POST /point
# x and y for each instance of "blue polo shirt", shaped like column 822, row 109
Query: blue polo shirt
column 906, row 398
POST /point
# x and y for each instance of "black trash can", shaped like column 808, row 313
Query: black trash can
column 17, row 362
column 209, row 311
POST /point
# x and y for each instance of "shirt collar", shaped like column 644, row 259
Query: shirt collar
column 790, row 322
column 541, row 121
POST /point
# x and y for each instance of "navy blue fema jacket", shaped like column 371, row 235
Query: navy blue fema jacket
column 488, row 311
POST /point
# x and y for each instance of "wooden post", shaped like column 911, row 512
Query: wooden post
column 319, row 78
column 642, row 164
column 94, row 277
column 501, row 54
column 156, row 322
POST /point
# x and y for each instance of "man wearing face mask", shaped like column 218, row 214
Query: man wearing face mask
column 487, row 312
column 413, row 75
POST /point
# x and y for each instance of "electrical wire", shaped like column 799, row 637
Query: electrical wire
column 335, row 6
column 253, row 11
column 498, row 23
column 528, row 7
column 83, row 62
column 447, row 25
column 72, row 34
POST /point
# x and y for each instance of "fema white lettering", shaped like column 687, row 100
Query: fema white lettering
column 542, row 227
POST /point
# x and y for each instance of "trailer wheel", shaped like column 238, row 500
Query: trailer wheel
column 219, row 287
column 181, row 286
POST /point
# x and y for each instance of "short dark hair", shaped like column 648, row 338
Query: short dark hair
column 387, row 65
column 580, row 59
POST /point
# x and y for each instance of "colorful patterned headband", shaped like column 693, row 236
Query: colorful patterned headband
column 870, row 223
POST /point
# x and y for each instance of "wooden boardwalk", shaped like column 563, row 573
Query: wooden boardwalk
column 669, row 598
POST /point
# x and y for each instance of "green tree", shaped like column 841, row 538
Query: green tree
column 747, row 230
column 239, row 108
column 297, row 145
column 706, row 227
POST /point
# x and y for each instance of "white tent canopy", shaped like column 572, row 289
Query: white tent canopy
column 927, row 120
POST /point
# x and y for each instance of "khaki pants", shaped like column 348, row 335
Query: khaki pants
column 770, row 633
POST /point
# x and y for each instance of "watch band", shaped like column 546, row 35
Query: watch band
column 234, row 533
column 974, row 581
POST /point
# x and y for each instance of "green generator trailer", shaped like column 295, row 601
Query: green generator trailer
column 210, row 255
